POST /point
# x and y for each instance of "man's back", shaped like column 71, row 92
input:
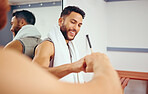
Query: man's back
column 29, row 44
column 26, row 35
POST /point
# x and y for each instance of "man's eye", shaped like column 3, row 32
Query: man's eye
column 79, row 25
column 72, row 22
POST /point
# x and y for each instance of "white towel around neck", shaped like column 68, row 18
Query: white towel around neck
column 62, row 55
column 27, row 31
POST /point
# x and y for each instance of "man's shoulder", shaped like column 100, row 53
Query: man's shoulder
column 46, row 48
column 15, row 42
column 17, row 45
column 46, row 44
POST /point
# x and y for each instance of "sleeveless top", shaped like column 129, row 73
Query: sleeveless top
column 29, row 44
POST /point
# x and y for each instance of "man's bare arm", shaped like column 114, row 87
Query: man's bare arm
column 43, row 54
column 63, row 70
column 22, row 77
column 15, row 45
column 105, row 80
column 104, row 74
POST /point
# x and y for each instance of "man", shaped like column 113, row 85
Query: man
column 26, row 36
column 22, row 77
column 58, row 51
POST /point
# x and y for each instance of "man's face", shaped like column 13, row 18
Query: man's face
column 15, row 25
column 70, row 25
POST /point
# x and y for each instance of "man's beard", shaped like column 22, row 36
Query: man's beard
column 16, row 30
column 65, row 31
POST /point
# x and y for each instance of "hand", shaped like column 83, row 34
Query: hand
column 124, row 81
column 95, row 60
column 78, row 66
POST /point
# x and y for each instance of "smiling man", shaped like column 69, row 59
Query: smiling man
column 58, row 52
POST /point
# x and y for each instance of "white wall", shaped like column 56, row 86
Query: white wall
column 127, row 26
column 129, row 61
column 127, row 23
column 46, row 18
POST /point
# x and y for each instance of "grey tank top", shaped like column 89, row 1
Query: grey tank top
column 29, row 44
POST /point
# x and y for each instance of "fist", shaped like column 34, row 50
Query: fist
column 95, row 61
column 78, row 66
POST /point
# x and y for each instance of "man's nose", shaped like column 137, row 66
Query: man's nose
column 76, row 27
column 11, row 29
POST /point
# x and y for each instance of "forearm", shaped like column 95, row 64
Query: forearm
column 105, row 80
column 42, row 61
column 61, row 71
column 102, row 83
column 107, row 77
column 104, row 69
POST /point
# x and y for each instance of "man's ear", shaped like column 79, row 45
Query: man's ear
column 60, row 21
column 22, row 22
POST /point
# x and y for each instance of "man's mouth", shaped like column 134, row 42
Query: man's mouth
column 72, row 33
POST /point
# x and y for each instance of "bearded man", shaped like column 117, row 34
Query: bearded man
column 58, row 52
column 26, row 35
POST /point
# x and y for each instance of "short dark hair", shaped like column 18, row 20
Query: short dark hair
column 69, row 9
column 26, row 15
